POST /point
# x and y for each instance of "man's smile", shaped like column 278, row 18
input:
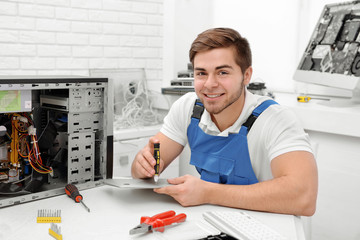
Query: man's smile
column 213, row 95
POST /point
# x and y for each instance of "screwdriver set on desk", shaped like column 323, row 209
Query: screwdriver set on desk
column 52, row 217
column 48, row 216
column 55, row 231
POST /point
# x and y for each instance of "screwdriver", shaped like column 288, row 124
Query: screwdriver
column 157, row 158
column 73, row 192
column 307, row 98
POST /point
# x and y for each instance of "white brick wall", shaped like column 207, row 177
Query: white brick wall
column 69, row 37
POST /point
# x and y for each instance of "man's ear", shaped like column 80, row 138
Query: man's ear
column 247, row 75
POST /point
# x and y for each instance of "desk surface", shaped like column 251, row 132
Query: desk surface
column 336, row 116
column 115, row 211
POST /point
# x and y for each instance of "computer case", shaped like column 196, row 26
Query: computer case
column 53, row 131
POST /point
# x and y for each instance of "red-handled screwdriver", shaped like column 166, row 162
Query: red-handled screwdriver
column 73, row 192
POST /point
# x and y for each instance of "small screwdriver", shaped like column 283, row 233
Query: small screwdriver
column 73, row 192
column 157, row 159
column 307, row 98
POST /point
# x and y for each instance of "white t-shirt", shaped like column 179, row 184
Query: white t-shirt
column 275, row 132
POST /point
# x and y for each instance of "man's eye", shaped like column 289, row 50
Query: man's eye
column 223, row 73
column 200, row 73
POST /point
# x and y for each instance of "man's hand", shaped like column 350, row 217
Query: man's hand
column 144, row 162
column 187, row 190
column 292, row 190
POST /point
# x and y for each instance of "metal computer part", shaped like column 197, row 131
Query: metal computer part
column 331, row 59
column 62, row 138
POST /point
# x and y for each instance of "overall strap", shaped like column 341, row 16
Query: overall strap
column 198, row 109
column 257, row 111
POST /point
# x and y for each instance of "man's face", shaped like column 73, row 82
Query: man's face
column 219, row 82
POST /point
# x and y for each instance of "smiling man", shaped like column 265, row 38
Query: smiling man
column 250, row 151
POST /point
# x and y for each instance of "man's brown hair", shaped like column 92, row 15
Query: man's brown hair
column 222, row 38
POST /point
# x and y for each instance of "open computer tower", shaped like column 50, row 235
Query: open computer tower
column 331, row 61
column 53, row 131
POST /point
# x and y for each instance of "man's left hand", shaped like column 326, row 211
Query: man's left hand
column 187, row 190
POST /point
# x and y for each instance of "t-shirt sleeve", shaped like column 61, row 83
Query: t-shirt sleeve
column 178, row 118
column 285, row 134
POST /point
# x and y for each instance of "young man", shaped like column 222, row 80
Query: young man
column 251, row 152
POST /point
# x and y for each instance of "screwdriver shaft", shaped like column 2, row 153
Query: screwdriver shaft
column 88, row 209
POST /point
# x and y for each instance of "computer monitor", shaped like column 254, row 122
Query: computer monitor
column 330, row 64
column 54, row 131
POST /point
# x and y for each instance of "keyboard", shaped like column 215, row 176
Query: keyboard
column 241, row 225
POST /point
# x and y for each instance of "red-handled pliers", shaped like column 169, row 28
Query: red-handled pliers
column 158, row 222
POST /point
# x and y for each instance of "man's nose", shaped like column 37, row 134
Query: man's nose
column 211, row 81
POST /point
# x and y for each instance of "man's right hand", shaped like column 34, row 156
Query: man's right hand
column 144, row 162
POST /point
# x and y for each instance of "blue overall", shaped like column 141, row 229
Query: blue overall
column 223, row 159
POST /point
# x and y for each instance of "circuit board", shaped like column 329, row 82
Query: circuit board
column 334, row 45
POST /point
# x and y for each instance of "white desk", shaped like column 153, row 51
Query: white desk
column 114, row 212
column 337, row 116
